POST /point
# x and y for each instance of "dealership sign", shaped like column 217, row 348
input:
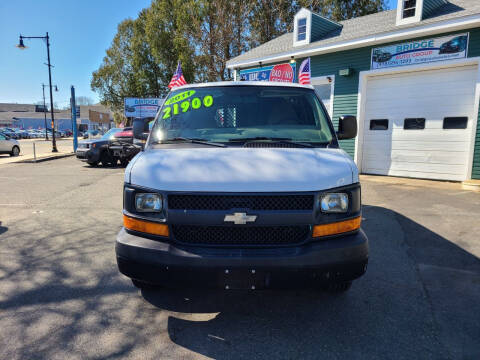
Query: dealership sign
column 281, row 72
column 141, row 108
column 420, row 52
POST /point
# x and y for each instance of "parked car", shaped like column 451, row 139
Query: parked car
column 35, row 134
column 92, row 134
column 381, row 56
column 123, row 147
column 95, row 151
column 457, row 44
column 126, row 134
column 9, row 146
column 12, row 133
column 245, row 188
column 57, row 133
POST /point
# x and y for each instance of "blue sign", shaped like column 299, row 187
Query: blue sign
column 420, row 52
column 281, row 73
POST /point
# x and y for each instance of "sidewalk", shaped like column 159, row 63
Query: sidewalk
column 43, row 150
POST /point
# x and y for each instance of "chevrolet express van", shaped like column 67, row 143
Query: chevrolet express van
column 243, row 185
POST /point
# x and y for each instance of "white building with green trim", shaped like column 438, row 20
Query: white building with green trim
column 410, row 75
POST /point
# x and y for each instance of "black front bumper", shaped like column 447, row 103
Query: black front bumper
column 88, row 155
column 342, row 258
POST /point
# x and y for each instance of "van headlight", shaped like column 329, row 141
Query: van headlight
column 148, row 202
column 334, row 203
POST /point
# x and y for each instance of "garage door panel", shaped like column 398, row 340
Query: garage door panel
column 453, row 146
column 430, row 95
column 418, row 156
column 425, row 175
column 428, row 90
column 425, row 135
column 415, row 104
column 390, row 167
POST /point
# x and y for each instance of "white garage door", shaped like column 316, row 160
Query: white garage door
column 419, row 124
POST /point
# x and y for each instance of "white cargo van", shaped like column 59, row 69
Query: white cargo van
column 242, row 185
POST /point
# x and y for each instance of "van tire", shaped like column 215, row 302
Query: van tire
column 338, row 287
column 143, row 285
column 15, row 151
column 106, row 159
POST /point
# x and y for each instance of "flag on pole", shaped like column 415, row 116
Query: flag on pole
column 304, row 75
column 177, row 78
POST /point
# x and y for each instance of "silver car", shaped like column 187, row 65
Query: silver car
column 9, row 146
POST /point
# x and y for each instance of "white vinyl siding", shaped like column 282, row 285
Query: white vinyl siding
column 432, row 152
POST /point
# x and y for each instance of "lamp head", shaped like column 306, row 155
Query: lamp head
column 20, row 44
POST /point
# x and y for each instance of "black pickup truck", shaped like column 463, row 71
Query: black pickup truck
column 106, row 150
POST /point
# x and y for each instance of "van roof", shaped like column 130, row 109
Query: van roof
column 245, row 83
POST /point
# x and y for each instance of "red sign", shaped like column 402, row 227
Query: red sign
column 282, row 73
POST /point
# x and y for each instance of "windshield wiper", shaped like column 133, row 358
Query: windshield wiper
column 190, row 140
column 273, row 139
column 260, row 138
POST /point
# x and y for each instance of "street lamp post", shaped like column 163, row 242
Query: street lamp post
column 45, row 109
column 21, row 46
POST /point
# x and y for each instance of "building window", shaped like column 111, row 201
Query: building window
column 409, row 8
column 379, row 124
column 414, row 124
column 459, row 122
column 301, row 29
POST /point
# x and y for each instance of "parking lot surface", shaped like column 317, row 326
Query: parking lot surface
column 61, row 296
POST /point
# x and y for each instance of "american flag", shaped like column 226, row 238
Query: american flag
column 177, row 78
column 304, row 75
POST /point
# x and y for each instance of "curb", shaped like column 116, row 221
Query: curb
column 45, row 158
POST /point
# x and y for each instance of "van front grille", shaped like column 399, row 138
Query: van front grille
column 251, row 202
column 240, row 235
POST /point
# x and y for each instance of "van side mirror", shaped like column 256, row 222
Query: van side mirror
column 347, row 127
column 139, row 131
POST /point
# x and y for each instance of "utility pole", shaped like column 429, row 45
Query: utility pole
column 54, row 143
column 21, row 46
column 45, row 112
column 74, row 118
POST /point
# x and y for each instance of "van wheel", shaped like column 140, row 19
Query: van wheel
column 15, row 151
column 338, row 287
column 92, row 164
column 106, row 159
column 143, row 285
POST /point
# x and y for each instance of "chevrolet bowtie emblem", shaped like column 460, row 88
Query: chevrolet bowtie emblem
column 240, row 218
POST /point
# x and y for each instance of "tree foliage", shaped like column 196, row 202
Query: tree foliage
column 203, row 35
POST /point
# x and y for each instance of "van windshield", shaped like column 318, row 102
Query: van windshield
column 226, row 114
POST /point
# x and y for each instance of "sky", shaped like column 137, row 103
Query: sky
column 80, row 32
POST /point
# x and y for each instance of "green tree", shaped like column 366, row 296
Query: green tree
column 114, row 80
column 338, row 10
column 166, row 32
column 269, row 18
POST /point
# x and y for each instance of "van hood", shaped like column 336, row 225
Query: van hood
column 241, row 169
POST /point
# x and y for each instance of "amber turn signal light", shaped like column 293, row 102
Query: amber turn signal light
column 145, row 226
column 337, row 227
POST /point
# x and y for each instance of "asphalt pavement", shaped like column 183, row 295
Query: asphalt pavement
column 61, row 296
